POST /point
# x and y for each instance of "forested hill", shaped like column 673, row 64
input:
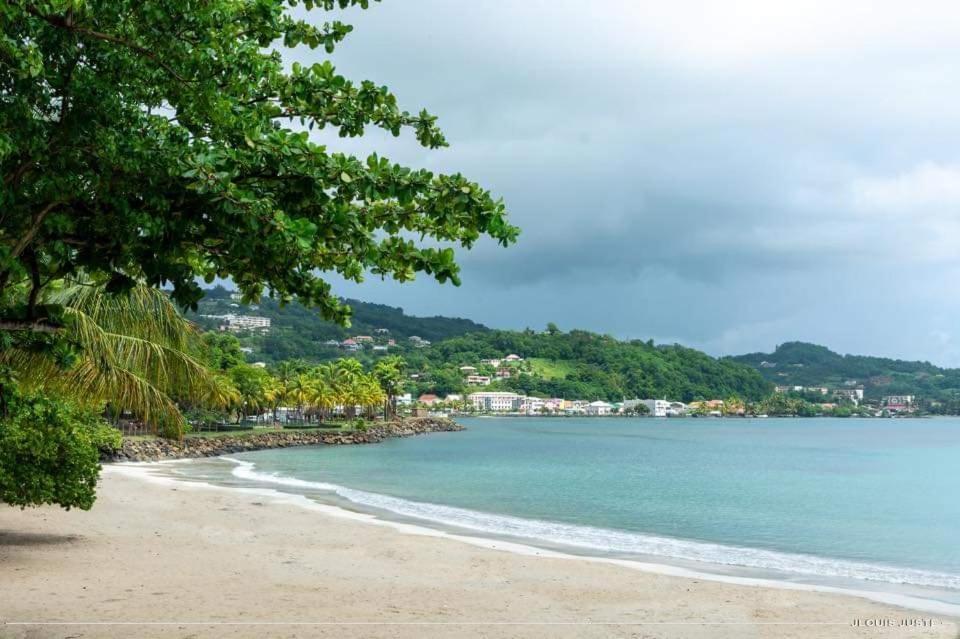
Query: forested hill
column 298, row 332
column 803, row 364
column 579, row 364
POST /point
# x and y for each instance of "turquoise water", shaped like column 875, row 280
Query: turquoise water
column 831, row 501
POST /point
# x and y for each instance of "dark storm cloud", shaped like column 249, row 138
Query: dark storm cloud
column 792, row 167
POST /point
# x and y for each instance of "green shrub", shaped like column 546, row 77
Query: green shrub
column 50, row 453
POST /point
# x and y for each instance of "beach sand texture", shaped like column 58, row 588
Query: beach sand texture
column 207, row 562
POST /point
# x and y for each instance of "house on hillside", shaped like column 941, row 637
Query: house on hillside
column 428, row 399
column 898, row 403
column 855, row 395
column 478, row 380
column 513, row 358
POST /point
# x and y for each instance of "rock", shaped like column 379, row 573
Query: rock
column 157, row 449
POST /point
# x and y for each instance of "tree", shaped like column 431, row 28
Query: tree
column 223, row 350
column 389, row 372
column 552, row 328
column 252, row 384
column 640, row 409
column 50, row 453
column 165, row 140
column 131, row 351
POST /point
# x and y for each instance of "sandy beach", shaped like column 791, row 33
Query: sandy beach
column 171, row 560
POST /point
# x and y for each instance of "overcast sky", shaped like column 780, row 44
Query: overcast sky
column 727, row 175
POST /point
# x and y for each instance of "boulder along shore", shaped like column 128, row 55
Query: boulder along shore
column 151, row 450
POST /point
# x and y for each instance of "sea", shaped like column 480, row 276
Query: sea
column 870, row 506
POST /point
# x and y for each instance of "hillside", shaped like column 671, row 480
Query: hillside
column 299, row 333
column 803, row 364
column 585, row 365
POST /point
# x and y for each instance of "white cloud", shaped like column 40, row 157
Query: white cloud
column 928, row 189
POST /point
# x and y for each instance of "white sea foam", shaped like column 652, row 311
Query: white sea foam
column 613, row 541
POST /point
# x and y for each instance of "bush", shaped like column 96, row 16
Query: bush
column 50, row 453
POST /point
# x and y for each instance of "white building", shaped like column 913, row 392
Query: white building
column 657, row 407
column 513, row 358
column 853, row 394
column 478, row 380
column 533, row 405
column 575, row 407
column 404, row 400
column 677, row 409
column 599, row 408
column 236, row 323
column 495, row 401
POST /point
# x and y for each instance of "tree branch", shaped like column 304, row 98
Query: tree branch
column 34, row 228
column 63, row 23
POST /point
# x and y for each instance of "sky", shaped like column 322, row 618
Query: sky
column 729, row 176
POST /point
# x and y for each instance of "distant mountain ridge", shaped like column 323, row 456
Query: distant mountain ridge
column 805, row 364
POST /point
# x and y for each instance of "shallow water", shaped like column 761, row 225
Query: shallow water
column 850, row 503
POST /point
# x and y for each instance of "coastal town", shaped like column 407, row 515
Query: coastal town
column 500, row 402
column 483, row 392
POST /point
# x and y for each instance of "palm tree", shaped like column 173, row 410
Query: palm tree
column 274, row 393
column 301, row 390
column 132, row 352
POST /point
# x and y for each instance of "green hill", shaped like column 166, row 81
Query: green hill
column 803, row 364
column 299, row 333
column 585, row 365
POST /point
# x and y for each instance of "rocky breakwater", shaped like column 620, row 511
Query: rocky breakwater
column 145, row 450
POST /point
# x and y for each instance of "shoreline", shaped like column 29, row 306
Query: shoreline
column 154, row 450
column 176, row 553
column 655, row 564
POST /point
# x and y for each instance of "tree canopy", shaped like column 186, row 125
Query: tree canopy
column 167, row 140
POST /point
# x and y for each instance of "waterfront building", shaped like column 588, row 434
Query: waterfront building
column 599, row 408
column 495, row 401
column 657, row 407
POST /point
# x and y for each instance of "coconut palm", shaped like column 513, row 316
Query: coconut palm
column 134, row 352
column 301, row 390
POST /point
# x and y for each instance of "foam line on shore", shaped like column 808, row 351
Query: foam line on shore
column 152, row 472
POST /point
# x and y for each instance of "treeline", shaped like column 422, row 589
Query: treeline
column 583, row 365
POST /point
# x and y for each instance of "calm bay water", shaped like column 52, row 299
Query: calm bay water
column 829, row 501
